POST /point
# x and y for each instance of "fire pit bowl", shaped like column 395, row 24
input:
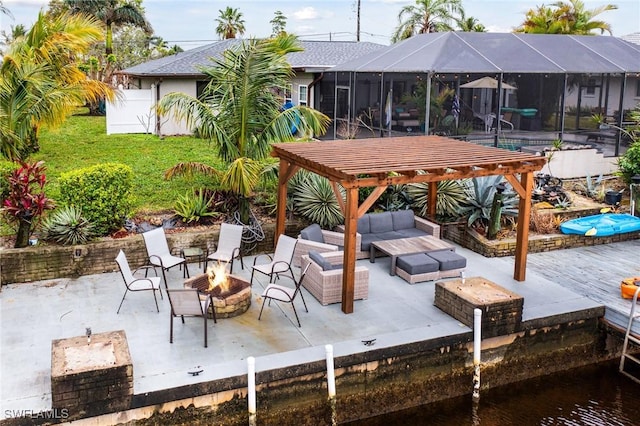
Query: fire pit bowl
column 230, row 300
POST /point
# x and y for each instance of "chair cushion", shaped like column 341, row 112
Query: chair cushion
column 363, row 224
column 380, row 222
column 403, row 219
column 324, row 263
column 449, row 259
column 391, row 235
column 410, row 233
column 418, row 263
column 366, row 239
column 313, row 232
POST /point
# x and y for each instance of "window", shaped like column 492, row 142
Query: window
column 302, row 94
column 287, row 93
column 591, row 87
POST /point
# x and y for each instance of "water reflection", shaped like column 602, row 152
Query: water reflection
column 594, row 395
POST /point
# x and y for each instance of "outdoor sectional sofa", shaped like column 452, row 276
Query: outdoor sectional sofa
column 391, row 226
column 324, row 277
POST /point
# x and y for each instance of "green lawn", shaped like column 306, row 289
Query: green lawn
column 82, row 141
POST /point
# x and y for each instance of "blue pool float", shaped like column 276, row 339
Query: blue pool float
column 602, row 225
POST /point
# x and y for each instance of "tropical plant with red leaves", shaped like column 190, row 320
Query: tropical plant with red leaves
column 27, row 201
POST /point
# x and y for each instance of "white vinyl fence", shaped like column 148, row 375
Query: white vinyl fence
column 132, row 113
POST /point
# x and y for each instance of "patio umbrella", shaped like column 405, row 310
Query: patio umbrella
column 485, row 83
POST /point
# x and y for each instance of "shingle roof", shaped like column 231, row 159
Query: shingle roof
column 316, row 55
column 632, row 38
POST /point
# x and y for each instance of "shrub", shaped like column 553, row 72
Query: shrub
column 67, row 226
column 193, row 206
column 26, row 202
column 103, row 191
column 629, row 162
column 452, row 195
column 6, row 168
column 314, row 199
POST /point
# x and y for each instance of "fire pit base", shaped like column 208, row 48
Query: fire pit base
column 227, row 303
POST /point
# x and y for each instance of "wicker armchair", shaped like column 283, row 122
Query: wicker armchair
column 326, row 286
column 333, row 242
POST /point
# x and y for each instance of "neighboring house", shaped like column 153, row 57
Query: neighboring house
column 601, row 90
column 181, row 73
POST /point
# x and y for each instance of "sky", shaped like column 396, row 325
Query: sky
column 190, row 23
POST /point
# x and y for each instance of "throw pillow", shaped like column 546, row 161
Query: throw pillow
column 312, row 233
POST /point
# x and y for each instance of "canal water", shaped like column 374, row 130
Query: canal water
column 595, row 396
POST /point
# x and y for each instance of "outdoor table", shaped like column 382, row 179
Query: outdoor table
column 395, row 248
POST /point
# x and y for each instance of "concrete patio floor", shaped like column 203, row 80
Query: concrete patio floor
column 34, row 314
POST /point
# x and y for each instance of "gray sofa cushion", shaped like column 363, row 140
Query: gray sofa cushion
column 366, row 239
column 312, row 232
column 325, row 264
column 391, row 235
column 380, row 222
column 449, row 260
column 363, row 224
column 418, row 263
column 403, row 219
column 410, row 233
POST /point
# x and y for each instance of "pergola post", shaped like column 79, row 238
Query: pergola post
column 349, row 260
column 522, row 233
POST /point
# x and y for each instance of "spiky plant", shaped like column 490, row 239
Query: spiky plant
column 67, row 226
column 480, row 199
column 194, row 206
column 452, row 195
column 314, row 199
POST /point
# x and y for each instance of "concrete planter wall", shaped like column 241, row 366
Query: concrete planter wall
column 575, row 163
column 44, row 262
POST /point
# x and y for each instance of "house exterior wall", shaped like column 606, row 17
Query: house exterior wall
column 631, row 95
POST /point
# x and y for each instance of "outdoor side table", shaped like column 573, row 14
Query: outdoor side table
column 193, row 253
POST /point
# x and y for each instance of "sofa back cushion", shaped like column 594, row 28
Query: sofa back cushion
column 363, row 224
column 380, row 222
column 325, row 264
column 312, row 233
column 403, row 219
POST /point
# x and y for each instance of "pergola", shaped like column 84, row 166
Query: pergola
column 381, row 162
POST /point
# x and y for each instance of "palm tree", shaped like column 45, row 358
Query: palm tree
column 240, row 112
column 5, row 11
column 111, row 13
column 568, row 17
column 426, row 16
column 469, row 24
column 40, row 82
column 230, row 23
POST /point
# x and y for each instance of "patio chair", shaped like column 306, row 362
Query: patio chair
column 188, row 302
column 280, row 261
column 159, row 255
column 285, row 294
column 228, row 247
column 315, row 238
column 324, row 277
column 136, row 284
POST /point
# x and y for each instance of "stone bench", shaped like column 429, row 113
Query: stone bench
column 419, row 267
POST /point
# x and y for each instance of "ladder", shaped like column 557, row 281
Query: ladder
column 628, row 336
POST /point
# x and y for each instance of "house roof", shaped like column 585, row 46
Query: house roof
column 632, row 38
column 473, row 52
column 317, row 56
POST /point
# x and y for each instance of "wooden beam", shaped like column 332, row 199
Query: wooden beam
column 349, row 262
column 515, row 183
column 366, row 204
column 338, row 194
column 522, row 233
column 432, row 200
column 281, row 212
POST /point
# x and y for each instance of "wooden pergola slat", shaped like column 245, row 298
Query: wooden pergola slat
column 380, row 162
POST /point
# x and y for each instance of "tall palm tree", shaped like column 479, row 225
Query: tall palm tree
column 230, row 23
column 426, row 16
column 40, row 82
column 111, row 13
column 240, row 112
column 565, row 17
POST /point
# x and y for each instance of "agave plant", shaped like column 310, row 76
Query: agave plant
column 314, row 199
column 480, row 199
column 452, row 195
column 67, row 226
column 193, row 206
